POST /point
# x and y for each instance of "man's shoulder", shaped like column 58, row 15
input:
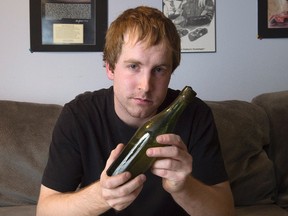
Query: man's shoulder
column 89, row 99
column 93, row 95
column 98, row 94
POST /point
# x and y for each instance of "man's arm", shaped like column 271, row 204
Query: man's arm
column 116, row 192
column 174, row 165
column 84, row 202
column 199, row 199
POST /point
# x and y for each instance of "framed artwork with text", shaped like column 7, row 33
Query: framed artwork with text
column 67, row 25
column 195, row 22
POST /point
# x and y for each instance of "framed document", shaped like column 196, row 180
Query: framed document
column 68, row 25
column 272, row 19
column 195, row 22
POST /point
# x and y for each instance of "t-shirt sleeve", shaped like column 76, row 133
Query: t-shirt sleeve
column 63, row 171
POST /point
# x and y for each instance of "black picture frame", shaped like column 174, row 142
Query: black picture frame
column 268, row 27
column 83, row 22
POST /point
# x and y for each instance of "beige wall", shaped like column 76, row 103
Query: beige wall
column 242, row 67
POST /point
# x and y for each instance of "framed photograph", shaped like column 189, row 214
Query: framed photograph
column 272, row 19
column 68, row 25
column 195, row 22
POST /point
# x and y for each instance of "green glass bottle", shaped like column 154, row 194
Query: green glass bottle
column 133, row 157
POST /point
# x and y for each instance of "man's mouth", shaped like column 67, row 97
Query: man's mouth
column 142, row 101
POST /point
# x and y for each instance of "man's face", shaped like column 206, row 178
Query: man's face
column 141, row 78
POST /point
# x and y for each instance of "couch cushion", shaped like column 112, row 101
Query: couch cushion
column 244, row 133
column 276, row 107
column 25, row 134
column 29, row 210
column 261, row 210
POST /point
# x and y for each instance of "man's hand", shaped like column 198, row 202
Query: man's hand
column 119, row 191
column 109, row 192
column 173, row 164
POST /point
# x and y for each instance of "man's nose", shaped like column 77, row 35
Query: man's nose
column 145, row 81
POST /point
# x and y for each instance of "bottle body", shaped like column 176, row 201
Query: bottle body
column 133, row 157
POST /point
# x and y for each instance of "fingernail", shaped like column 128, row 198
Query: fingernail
column 148, row 152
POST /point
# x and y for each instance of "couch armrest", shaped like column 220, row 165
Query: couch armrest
column 276, row 106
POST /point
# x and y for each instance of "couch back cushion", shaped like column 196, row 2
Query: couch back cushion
column 276, row 106
column 25, row 134
column 244, row 134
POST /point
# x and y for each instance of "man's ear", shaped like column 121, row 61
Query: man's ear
column 109, row 71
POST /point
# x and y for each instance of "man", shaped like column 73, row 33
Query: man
column 142, row 50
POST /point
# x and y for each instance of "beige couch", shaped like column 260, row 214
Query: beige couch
column 254, row 139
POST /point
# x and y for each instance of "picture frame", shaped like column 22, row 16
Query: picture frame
column 272, row 19
column 195, row 22
column 68, row 25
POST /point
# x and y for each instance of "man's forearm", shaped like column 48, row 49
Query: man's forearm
column 85, row 202
column 199, row 199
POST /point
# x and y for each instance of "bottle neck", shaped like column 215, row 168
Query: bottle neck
column 176, row 108
column 173, row 111
column 184, row 98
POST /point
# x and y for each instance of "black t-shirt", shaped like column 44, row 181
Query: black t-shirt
column 88, row 129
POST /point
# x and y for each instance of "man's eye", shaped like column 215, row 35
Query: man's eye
column 133, row 66
column 159, row 70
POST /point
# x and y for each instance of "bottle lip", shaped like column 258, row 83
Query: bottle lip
column 189, row 92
